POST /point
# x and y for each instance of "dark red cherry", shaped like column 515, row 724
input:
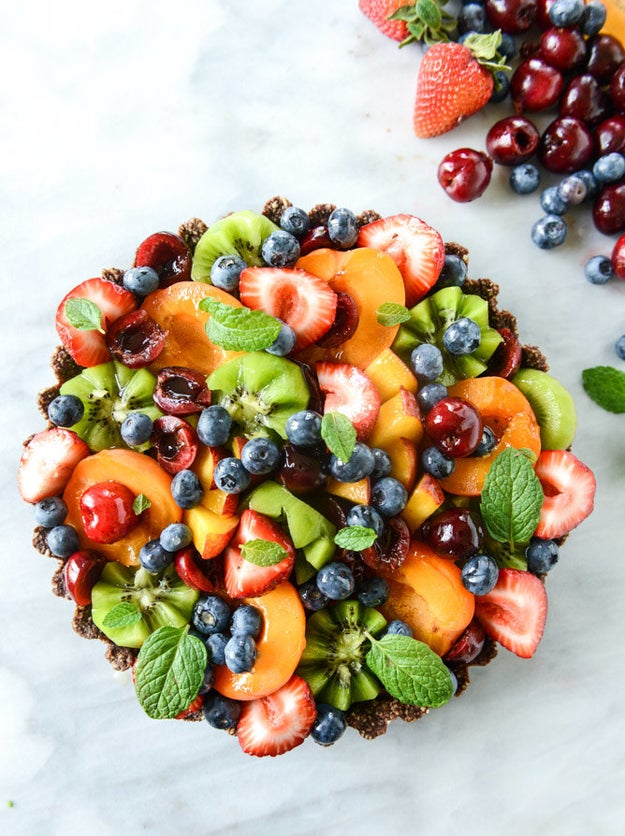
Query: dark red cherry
column 345, row 322
column 455, row 426
column 300, row 473
column 585, row 99
column 511, row 16
column 506, row 359
column 469, row 646
column 542, row 13
column 175, row 442
column 610, row 135
column 535, row 85
column 191, row 569
column 512, row 140
column 605, row 55
column 81, row 572
column 608, row 212
column 106, row 511
column 564, row 49
column 456, row 532
column 181, row 391
column 465, row 174
column 317, row 238
column 390, row 549
column 617, row 89
column 135, row 339
column 565, row 146
column 168, row 255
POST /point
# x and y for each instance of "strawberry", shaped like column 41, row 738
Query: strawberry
column 349, row 391
column 513, row 613
column 245, row 579
column 47, row 463
column 569, row 488
column 305, row 302
column 403, row 20
column 87, row 346
column 379, row 12
column 454, row 82
column 278, row 722
column 416, row 248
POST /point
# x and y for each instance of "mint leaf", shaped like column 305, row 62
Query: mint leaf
column 339, row 435
column 512, row 497
column 83, row 314
column 606, row 386
column 410, row 671
column 122, row 615
column 239, row 329
column 391, row 313
column 170, row 671
column 140, row 504
column 263, row 552
column 356, row 538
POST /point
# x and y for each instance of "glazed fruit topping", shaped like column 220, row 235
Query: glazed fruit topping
column 175, row 442
column 181, row 391
column 168, row 255
column 107, row 512
column 135, row 339
column 455, row 426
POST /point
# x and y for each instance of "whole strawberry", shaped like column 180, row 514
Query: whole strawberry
column 380, row 11
column 410, row 20
column 454, row 82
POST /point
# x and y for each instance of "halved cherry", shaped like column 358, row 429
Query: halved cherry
column 317, row 238
column 187, row 565
column 345, row 322
column 168, row 255
column 175, row 442
column 181, row 391
column 82, row 571
column 106, row 512
column 506, row 359
column 135, row 339
column 469, row 645
column 391, row 549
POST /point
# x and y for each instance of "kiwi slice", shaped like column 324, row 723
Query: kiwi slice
column 260, row 391
column 430, row 319
column 333, row 662
column 241, row 233
column 109, row 393
column 553, row 407
column 161, row 600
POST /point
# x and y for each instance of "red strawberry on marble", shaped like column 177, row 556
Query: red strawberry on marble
column 406, row 20
column 379, row 13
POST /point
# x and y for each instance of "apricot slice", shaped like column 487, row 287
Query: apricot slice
column 426, row 497
column 142, row 475
column 390, row 374
column 280, row 646
column 370, row 278
column 506, row 410
column 176, row 310
column 212, row 531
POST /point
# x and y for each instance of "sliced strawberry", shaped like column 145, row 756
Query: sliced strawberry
column 278, row 722
column 351, row 392
column 88, row 348
column 513, row 613
column 245, row 579
column 416, row 248
column 47, row 462
column 569, row 488
column 305, row 302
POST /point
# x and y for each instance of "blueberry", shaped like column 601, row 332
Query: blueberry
column 524, row 178
column 454, row 272
column 479, row 574
column 609, row 168
column 311, row 596
column 360, row 464
column 214, row 425
column 295, row 221
column 65, row 410
column 216, row 643
column 462, row 337
column 186, row 489
column 374, row 592
column 427, row 362
column 336, row 581
column 280, row 249
column 487, row 444
column 573, row 189
column 549, row 232
column 62, row 540
column 260, row 456
column 592, row 187
column 343, row 228
column 383, row 464
column 141, row 280
column 501, row 87
column 566, row 13
column 221, row 712
column 303, row 429
column 136, row 429
column 593, row 18
column 472, row 18
column 211, row 614
column 454, row 681
column 329, row 724
column 366, row 516
column 175, row 536
column 240, row 653
column 230, row 475
column 429, row 395
column 619, row 347
column 598, row 269
column 507, row 47
column 209, row 679
column 284, row 342
column 154, row 558
column 389, row 496
column 50, row 511
column 247, row 620
column 541, row 555
column 398, row 628
column 226, row 272
column 435, row 463
column 552, row 201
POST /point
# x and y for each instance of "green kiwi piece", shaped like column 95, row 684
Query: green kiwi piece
column 505, row 555
column 333, row 662
column 241, row 233
column 553, row 407
column 162, row 600
column 260, row 391
column 432, row 316
column 109, row 393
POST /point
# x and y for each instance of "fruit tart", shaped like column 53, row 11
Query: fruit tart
column 300, row 474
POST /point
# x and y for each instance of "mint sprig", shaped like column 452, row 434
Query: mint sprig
column 605, row 385
column 140, row 503
column 83, row 314
column 409, row 670
column 356, row 538
column 392, row 313
column 123, row 614
column 512, row 497
column 170, row 671
column 339, row 435
column 239, row 329
column 263, row 552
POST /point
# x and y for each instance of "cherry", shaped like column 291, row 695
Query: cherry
column 81, row 572
column 565, row 146
column 135, row 339
column 542, row 13
column 465, row 174
column 390, row 549
column 315, row 239
column 617, row 89
column 191, row 569
column 506, row 359
column 511, row 16
column 618, row 258
column 106, row 511
column 610, row 135
column 469, row 646
column 535, row 85
column 605, row 55
column 175, row 442
column 181, row 391
column 585, row 99
column 608, row 212
column 564, row 49
column 456, row 532
column 455, row 426
column 168, row 255
column 345, row 322
column 512, row 140
column 299, row 473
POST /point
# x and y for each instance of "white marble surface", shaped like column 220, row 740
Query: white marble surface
column 124, row 117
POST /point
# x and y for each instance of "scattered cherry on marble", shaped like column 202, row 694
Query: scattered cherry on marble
column 512, row 140
column 465, row 174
